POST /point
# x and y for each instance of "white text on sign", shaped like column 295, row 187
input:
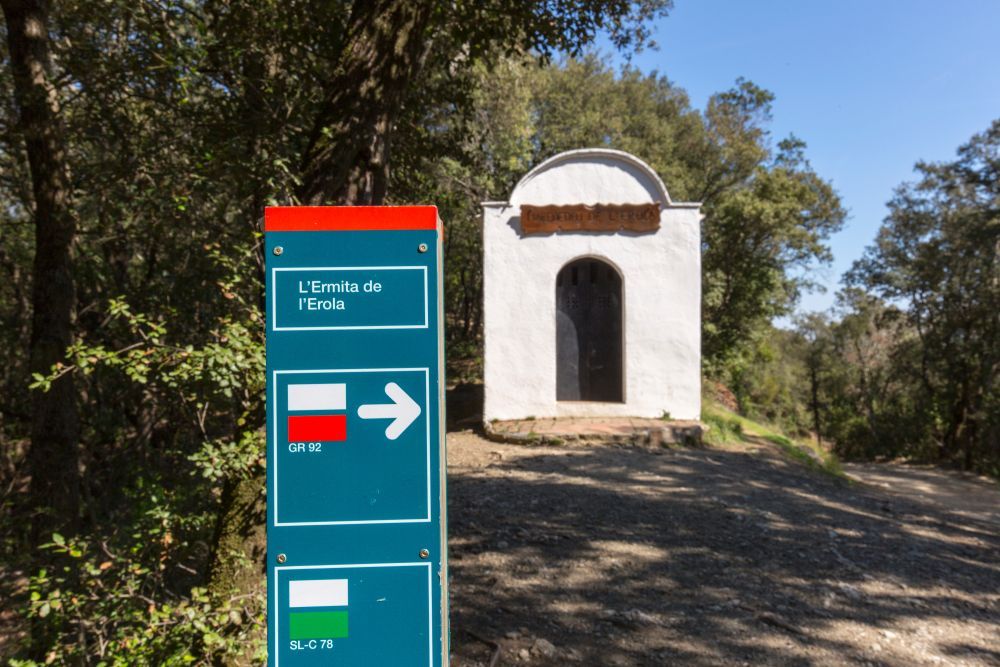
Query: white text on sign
column 339, row 287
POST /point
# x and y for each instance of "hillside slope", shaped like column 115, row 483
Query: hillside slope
column 727, row 428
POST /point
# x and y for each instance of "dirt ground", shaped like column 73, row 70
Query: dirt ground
column 603, row 555
column 964, row 495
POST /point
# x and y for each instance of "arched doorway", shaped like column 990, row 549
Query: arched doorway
column 589, row 332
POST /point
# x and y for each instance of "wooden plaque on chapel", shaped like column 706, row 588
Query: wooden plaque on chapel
column 584, row 218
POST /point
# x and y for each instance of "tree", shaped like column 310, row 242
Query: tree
column 53, row 456
column 758, row 238
column 816, row 330
column 936, row 255
column 386, row 46
column 870, row 409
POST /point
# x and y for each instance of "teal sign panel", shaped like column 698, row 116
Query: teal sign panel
column 355, row 438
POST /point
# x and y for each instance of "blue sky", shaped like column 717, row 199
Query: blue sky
column 872, row 86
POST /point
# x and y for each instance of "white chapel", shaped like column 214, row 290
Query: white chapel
column 592, row 293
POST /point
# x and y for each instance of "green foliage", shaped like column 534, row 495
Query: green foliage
column 908, row 368
column 771, row 383
column 844, row 379
column 759, row 237
column 109, row 608
column 937, row 259
column 721, row 431
column 728, row 428
column 131, row 591
column 811, row 457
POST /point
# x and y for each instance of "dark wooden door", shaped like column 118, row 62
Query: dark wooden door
column 588, row 332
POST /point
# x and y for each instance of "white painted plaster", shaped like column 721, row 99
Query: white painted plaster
column 661, row 292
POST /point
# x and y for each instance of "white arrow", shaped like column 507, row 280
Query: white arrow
column 402, row 411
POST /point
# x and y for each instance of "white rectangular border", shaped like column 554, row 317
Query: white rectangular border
column 274, row 297
column 274, row 442
column 430, row 599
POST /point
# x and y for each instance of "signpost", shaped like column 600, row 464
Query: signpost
column 355, row 442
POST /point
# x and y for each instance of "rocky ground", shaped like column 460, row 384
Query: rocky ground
column 604, row 555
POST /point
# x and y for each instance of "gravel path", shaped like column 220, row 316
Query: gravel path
column 960, row 494
column 613, row 556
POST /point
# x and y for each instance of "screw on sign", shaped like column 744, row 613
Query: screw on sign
column 356, row 489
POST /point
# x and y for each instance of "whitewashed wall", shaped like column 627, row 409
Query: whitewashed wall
column 661, row 292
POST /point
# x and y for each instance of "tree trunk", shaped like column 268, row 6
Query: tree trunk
column 954, row 438
column 347, row 158
column 238, row 562
column 53, row 459
column 814, row 385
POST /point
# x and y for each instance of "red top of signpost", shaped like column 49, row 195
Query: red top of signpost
column 348, row 218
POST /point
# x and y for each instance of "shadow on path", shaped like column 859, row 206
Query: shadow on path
column 705, row 557
column 962, row 494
